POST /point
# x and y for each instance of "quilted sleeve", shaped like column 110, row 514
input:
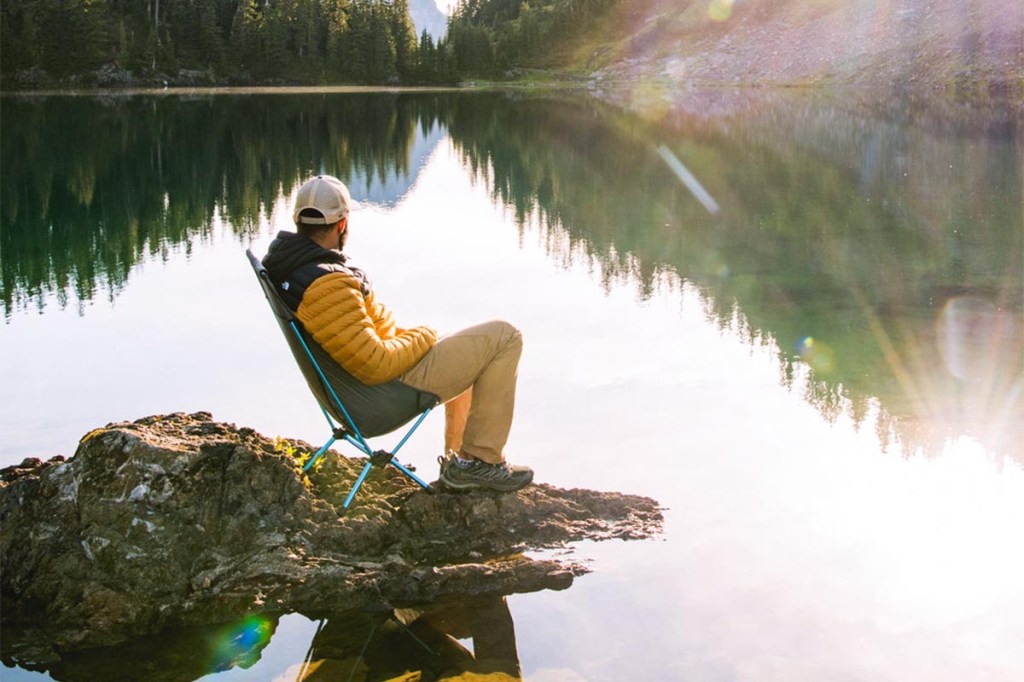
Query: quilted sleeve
column 349, row 326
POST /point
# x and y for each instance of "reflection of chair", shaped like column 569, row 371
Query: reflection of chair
column 417, row 643
column 362, row 411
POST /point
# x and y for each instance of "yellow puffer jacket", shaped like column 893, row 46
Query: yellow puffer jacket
column 358, row 332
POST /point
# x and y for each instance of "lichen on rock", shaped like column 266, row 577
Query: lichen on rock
column 178, row 520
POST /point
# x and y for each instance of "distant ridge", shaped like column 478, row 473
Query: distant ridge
column 389, row 187
column 426, row 16
column 934, row 44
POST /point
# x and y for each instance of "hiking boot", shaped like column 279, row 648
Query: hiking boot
column 477, row 475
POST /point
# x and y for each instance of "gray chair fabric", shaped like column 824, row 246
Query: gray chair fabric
column 375, row 410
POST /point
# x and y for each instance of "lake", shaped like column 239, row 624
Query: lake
column 794, row 320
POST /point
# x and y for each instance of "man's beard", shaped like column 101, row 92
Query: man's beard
column 342, row 238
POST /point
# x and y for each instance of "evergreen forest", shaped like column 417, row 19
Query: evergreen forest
column 490, row 37
column 253, row 42
column 109, row 42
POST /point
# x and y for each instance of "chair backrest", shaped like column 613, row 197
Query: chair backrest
column 375, row 409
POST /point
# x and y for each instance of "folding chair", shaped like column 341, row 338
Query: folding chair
column 354, row 410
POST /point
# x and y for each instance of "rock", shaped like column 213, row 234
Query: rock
column 179, row 520
column 34, row 78
column 194, row 78
column 113, row 76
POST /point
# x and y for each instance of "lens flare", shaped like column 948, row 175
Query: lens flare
column 720, row 10
column 816, row 354
column 240, row 644
column 688, row 179
column 969, row 330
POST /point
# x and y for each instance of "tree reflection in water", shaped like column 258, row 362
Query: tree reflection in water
column 847, row 237
column 877, row 251
column 422, row 643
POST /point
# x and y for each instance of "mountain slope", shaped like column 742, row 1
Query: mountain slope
column 427, row 17
column 937, row 43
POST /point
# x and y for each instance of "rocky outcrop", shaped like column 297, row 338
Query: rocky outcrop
column 971, row 50
column 180, row 520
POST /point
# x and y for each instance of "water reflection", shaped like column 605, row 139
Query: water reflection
column 840, row 252
column 175, row 656
column 877, row 252
column 420, row 644
column 844, row 239
column 471, row 638
column 94, row 186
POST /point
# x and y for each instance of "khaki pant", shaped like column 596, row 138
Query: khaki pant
column 486, row 359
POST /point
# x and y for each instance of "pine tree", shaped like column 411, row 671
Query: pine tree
column 245, row 34
column 427, row 69
column 122, row 42
column 166, row 60
column 404, row 35
column 149, row 52
column 336, row 18
column 380, row 63
column 355, row 44
column 210, row 43
column 275, row 41
column 75, row 35
column 17, row 35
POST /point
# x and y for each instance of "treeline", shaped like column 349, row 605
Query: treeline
column 307, row 41
column 245, row 41
column 91, row 189
column 489, row 37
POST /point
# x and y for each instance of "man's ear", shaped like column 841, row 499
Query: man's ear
column 343, row 224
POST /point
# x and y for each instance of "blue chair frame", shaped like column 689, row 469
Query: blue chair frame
column 380, row 409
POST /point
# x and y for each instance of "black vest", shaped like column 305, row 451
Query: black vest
column 295, row 262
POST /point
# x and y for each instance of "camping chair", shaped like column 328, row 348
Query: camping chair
column 354, row 410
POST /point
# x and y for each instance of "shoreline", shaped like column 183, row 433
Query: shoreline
column 981, row 93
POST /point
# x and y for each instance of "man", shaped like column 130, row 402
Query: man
column 473, row 371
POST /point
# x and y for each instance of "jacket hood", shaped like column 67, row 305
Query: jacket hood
column 294, row 261
column 290, row 251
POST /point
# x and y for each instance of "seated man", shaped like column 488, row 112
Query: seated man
column 473, row 371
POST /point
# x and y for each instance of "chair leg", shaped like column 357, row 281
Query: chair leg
column 360, row 443
column 398, row 465
column 312, row 460
column 366, row 471
column 355, row 488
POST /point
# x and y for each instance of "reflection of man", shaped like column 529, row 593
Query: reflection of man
column 473, row 371
column 360, row 647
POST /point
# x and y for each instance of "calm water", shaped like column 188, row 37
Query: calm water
column 796, row 323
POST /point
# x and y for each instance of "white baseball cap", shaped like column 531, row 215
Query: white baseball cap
column 325, row 194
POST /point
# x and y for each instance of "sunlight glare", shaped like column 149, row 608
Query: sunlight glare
column 967, row 558
column 720, row 10
column 967, row 325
